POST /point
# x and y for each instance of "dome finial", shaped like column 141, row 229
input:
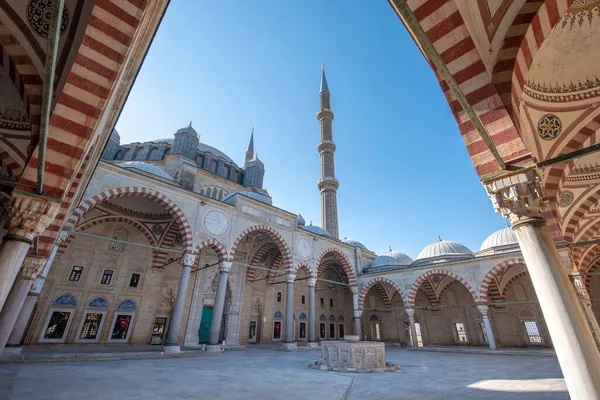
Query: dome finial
column 439, row 238
column 322, row 66
column 190, row 123
column 390, row 248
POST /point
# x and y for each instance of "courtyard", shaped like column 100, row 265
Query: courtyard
column 266, row 373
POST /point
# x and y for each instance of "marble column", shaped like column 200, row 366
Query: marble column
column 413, row 327
column 520, row 197
column 312, row 313
column 356, row 312
column 30, row 269
column 217, row 317
column 289, row 343
column 29, row 216
column 14, row 340
column 483, row 309
column 171, row 345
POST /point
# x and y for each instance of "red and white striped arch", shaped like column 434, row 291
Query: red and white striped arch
column 341, row 259
column 489, row 277
column 378, row 282
column 446, row 29
column 304, row 267
column 412, row 294
column 214, row 245
column 542, row 24
column 141, row 192
column 274, row 235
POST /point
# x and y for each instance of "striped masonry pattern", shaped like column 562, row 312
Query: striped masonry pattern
column 304, row 267
column 341, row 258
column 548, row 15
column 489, row 277
column 591, row 197
column 274, row 235
column 379, row 282
column 105, row 44
column 148, row 193
column 410, row 301
column 507, row 56
column 429, row 292
column 511, row 281
column 168, row 241
column 445, row 28
column 214, row 245
column 28, row 83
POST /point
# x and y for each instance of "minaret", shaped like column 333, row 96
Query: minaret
column 250, row 150
column 328, row 185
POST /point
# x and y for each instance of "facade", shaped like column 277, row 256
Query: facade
column 256, row 273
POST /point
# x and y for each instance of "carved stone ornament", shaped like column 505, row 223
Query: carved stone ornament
column 565, row 198
column 188, row 259
column 518, row 197
column 483, row 309
column 38, row 17
column 31, row 267
column 290, row 278
column 312, row 281
column 30, row 215
column 410, row 312
column 549, row 127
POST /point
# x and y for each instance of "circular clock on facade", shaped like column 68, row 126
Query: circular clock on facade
column 304, row 248
column 216, row 222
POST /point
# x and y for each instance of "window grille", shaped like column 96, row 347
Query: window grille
column 519, row 292
column 135, row 280
column 533, row 334
column 119, row 237
column 461, row 334
column 57, row 325
column 107, row 277
column 76, row 273
column 90, row 326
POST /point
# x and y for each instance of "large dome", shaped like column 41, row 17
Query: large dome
column 392, row 259
column 503, row 237
column 443, row 248
column 354, row 243
column 145, row 167
column 316, row 229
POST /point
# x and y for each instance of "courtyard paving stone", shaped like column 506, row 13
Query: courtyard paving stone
column 270, row 374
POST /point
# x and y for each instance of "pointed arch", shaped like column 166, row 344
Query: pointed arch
column 216, row 246
column 306, row 268
column 134, row 191
column 343, row 260
column 378, row 281
column 273, row 235
column 412, row 294
column 489, row 277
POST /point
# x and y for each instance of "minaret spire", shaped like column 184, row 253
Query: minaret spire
column 328, row 185
column 250, row 150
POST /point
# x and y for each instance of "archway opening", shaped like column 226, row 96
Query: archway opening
column 384, row 316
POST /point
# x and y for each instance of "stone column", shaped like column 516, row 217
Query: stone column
column 171, row 345
column 30, row 269
column 217, row 317
column 520, row 198
column 356, row 312
column 29, row 216
column 312, row 313
column 14, row 340
column 289, row 343
column 413, row 327
column 483, row 309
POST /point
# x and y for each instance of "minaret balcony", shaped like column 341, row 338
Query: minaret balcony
column 328, row 184
column 326, row 146
column 325, row 114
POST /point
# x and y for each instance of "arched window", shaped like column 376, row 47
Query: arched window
column 120, row 155
column 213, row 166
column 201, row 191
column 208, row 192
column 519, row 292
column 153, row 153
column 200, row 161
column 118, row 238
column 235, row 176
column 136, row 155
column 220, row 195
column 225, row 171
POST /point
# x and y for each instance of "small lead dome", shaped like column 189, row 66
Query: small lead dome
column 354, row 243
column 188, row 129
column 443, row 250
column 503, row 239
column 392, row 259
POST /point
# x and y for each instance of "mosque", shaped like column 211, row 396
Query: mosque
column 254, row 273
column 171, row 243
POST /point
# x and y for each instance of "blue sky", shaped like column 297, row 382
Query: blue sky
column 405, row 175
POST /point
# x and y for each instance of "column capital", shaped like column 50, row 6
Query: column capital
column 225, row 266
column 30, row 215
column 188, row 260
column 354, row 290
column 62, row 236
column 312, row 282
column 31, row 267
column 518, row 197
column 483, row 308
column 290, row 278
column 410, row 312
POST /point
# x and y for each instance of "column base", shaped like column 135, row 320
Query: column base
column 313, row 345
column 171, row 348
column 12, row 351
column 291, row 346
column 214, row 348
